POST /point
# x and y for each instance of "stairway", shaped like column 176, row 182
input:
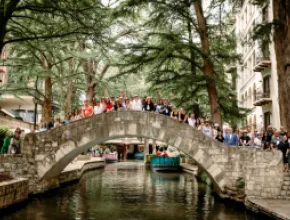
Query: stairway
column 285, row 191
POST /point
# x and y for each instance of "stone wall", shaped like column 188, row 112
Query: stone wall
column 24, row 166
column 262, row 171
column 20, row 166
column 54, row 149
column 13, row 123
column 13, row 191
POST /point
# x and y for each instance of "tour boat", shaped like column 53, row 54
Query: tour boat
column 111, row 157
column 161, row 163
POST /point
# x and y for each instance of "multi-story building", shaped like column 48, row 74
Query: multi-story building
column 257, row 84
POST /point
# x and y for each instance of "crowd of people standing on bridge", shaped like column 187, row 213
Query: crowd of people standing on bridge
column 269, row 139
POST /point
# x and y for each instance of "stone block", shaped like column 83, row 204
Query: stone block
column 286, row 183
column 83, row 157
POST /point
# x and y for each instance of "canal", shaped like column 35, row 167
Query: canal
column 128, row 191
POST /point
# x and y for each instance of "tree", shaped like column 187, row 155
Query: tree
column 43, row 33
column 95, row 73
column 55, row 67
column 182, row 53
column 281, row 38
column 29, row 20
column 208, row 68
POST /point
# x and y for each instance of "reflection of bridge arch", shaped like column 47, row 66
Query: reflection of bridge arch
column 56, row 148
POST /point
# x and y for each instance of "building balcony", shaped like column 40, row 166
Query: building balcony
column 262, row 99
column 262, row 63
column 231, row 69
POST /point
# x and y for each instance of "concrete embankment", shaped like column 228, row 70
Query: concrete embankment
column 17, row 190
column 275, row 208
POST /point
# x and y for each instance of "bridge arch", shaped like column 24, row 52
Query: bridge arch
column 56, row 148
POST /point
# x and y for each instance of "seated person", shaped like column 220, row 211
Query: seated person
column 165, row 154
column 245, row 139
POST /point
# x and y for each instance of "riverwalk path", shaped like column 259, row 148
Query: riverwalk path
column 77, row 165
column 276, row 208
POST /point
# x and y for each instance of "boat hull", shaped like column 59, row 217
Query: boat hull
column 165, row 164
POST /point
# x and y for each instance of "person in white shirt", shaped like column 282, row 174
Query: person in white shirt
column 137, row 104
column 192, row 120
column 258, row 141
column 97, row 108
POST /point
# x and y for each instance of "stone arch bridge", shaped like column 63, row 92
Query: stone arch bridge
column 48, row 153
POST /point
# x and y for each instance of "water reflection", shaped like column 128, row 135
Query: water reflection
column 118, row 193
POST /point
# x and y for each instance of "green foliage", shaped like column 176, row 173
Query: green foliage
column 166, row 50
column 45, row 19
column 56, row 49
column 240, row 183
column 4, row 132
column 205, row 178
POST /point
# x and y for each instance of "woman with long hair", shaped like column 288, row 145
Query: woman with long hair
column 148, row 105
column 109, row 106
column 197, row 123
column 174, row 113
column 182, row 117
column 128, row 104
column 220, row 136
column 104, row 104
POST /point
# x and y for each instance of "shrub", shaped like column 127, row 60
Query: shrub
column 240, row 183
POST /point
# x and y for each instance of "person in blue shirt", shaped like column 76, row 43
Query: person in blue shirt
column 231, row 138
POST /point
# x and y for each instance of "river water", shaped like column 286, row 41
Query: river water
column 128, row 191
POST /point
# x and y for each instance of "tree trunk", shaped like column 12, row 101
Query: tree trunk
column 208, row 66
column 6, row 10
column 90, row 88
column 281, row 12
column 47, row 103
column 68, row 101
column 90, row 80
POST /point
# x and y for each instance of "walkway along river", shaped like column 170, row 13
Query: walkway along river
column 128, row 191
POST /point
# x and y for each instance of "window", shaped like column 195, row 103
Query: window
column 267, row 119
column 254, row 93
column 266, row 87
column 242, row 101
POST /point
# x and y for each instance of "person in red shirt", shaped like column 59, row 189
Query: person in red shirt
column 109, row 105
column 87, row 110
